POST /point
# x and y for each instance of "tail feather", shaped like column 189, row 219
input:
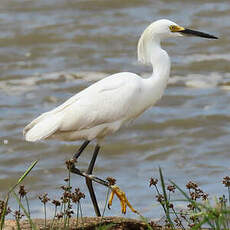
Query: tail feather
column 42, row 128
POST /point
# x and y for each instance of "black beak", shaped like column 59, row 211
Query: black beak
column 197, row 33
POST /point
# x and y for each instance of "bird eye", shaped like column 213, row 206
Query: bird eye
column 172, row 28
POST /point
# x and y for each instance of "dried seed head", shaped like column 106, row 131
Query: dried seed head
column 111, row 180
column 160, row 198
column 77, row 195
column 226, row 181
column 199, row 191
column 66, row 188
column 205, row 196
column 69, row 213
column 44, row 198
column 8, row 211
column 60, row 215
column 171, row 188
column 67, row 194
column 18, row 215
column 56, row 203
column 22, row 192
column 191, row 185
column 194, row 195
column 2, row 206
column 190, row 206
column 153, row 181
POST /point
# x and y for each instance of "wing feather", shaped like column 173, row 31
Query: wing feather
column 106, row 101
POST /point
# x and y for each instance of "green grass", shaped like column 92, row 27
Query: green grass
column 11, row 190
column 201, row 211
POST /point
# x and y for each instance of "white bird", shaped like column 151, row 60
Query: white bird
column 102, row 108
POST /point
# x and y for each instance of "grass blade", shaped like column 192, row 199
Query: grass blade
column 12, row 189
column 24, row 210
column 186, row 196
column 195, row 204
column 166, row 199
column 4, row 212
column 24, row 175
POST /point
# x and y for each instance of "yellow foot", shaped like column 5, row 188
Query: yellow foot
column 122, row 197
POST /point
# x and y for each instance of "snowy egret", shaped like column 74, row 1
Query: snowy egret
column 102, row 108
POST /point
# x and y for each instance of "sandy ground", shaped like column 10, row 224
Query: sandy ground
column 88, row 223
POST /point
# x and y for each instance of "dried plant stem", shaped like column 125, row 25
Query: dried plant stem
column 27, row 204
column 106, row 201
column 55, row 212
column 18, row 223
column 78, row 205
column 229, row 196
column 45, row 214
column 80, row 209
column 158, row 192
column 181, row 225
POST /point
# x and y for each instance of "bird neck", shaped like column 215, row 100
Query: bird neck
column 160, row 61
column 156, row 84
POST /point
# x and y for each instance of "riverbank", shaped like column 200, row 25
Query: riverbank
column 85, row 223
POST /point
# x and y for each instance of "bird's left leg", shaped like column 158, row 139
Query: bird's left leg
column 89, row 178
column 89, row 181
column 71, row 166
column 88, row 174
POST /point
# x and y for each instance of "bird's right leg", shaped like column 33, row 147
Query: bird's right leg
column 71, row 166
column 80, row 150
column 71, row 163
column 89, row 178
column 88, row 174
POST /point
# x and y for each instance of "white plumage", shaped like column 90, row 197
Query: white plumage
column 102, row 108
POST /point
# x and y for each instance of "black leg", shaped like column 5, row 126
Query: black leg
column 71, row 166
column 89, row 181
column 88, row 174
column 80, row 150
column 89, row 178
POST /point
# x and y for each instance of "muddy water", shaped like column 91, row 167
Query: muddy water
column 50, row 50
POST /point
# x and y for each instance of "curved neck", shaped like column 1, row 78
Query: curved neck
column 156, row 84
column 160, row 61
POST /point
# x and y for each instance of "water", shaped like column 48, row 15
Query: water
column 50, row 50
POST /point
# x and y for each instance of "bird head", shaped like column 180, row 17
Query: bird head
column 160, row 30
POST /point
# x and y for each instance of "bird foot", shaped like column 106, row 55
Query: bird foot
column 109, row 183
column 72, row 168
column 122, row 197
column 70, row 164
